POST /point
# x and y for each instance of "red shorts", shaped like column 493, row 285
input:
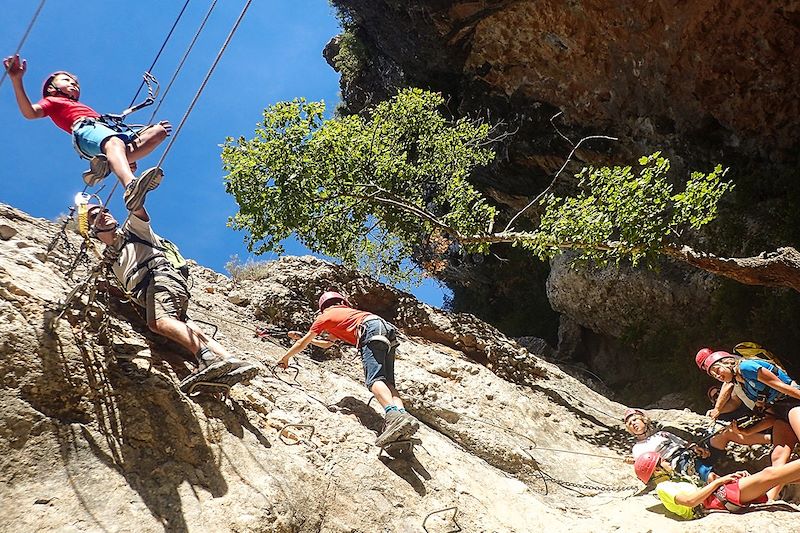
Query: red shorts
column 727, row 497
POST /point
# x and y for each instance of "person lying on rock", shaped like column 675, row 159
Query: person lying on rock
column 768, row 389
column 733, row 411
column 376, row 340
column 685, row 458
column 724, row 493
column 150, row 281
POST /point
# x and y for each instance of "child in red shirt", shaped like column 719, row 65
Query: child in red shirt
column 92, row 137
column 376, row 340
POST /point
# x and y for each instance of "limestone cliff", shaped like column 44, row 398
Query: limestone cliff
column 706, row 82
column 95, row 436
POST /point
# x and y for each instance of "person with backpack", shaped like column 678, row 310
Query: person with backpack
column 150, row 281
column 770, row 390
column 688, row 459
column 93, row 138
column 376, row 340
column 732, row 492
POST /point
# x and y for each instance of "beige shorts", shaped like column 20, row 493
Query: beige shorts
column 166, row 297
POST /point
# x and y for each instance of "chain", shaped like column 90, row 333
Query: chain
column 587, row 486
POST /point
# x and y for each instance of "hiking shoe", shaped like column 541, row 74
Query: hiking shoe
column 210, row 369
column 414, row 423
column 139, row 187
column 396, row 426
column 238, row 375
column 99, row 169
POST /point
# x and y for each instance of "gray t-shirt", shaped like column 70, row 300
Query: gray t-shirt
column 136, row 259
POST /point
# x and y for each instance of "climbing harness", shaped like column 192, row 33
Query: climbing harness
column 24, row 37
column 440, row 511
column 116, row 121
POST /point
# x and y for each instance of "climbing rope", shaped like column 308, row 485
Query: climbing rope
column 205, row 81
column 158, row 55
column 182, row 61
column 24, row 37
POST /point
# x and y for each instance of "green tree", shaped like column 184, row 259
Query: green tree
column 370, row 190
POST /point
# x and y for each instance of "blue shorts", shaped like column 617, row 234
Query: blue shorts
column 376, row 355
column 88, row 136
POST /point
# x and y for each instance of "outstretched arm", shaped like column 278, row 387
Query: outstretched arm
column 322, row 343
column 297, row 347
column 16, row 69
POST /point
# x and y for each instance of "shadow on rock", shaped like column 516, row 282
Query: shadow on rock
column 145, row 429
column 366, row 415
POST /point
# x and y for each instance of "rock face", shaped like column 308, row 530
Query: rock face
column 707, row 83
column 95, row 436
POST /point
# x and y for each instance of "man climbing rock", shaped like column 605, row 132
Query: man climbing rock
column 376, row 340
column 150, row 281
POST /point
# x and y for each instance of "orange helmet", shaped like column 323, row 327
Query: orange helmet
column 645, row 465
column 328, row 297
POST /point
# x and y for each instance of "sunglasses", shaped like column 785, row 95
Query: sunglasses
column 94, row 215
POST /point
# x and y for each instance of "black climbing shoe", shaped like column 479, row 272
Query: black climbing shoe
column 238, row 375
column 210, row 369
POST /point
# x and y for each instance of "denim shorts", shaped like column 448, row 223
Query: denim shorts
column 88, row 136
column 377, row 357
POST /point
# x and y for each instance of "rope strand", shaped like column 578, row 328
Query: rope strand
column 205, row 81
column 164, row 44
column 183, row 60
column 24, row 37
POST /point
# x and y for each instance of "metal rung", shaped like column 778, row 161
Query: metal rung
column 299, row 440
column 446, row 509
column 407, row 445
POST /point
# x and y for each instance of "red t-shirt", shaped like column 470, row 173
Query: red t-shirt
column 64, row 112
column 340, row 321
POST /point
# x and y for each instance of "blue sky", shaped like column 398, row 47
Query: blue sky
column 275, row 55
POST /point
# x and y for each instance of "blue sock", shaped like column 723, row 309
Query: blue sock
column 390, row 408
column 401, row 409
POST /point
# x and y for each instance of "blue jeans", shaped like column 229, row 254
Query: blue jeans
column 377, row 356
column 89, row 134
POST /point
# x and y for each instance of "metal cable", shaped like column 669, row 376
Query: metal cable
column 205, row 81
column 166, row 39
column 24, row 37
column 183, row 60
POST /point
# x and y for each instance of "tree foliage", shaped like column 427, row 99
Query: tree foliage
column 371, row 189
column 366, row 190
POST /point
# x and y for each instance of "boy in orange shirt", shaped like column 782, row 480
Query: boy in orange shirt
column 376, row 340
column 92, row 137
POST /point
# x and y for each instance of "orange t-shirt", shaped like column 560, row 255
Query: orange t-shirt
column 340, row 321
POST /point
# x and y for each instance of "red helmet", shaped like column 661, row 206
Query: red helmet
column 645, row 465
column 329, row 296
column 629, row 412
column 49, row 79
column 705, row 358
